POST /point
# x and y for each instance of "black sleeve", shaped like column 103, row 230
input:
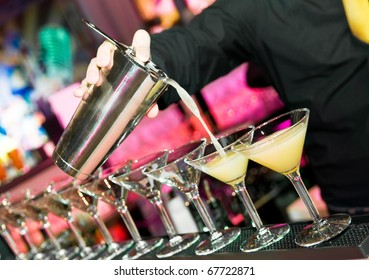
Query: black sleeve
column 215, row 42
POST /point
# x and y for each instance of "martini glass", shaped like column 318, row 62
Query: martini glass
column 52, row 201
column 4, row 232
column 10, row 217
column 278, row 145
column 178, row 174
column 29, row 209
column 116, row 195
column 230, row 168
column 83, row 199
column 135, row 180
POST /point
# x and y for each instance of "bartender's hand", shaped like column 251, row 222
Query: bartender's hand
column 104, row 61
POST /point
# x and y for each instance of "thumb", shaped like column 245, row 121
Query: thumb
column 141, row 44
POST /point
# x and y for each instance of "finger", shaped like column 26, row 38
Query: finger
column 92, row 73
column 80, row 91
column 104, row 56
column 102, row 73
column 153, row 112
column 141, row 43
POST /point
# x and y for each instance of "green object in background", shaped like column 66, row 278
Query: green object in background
column 56, row 52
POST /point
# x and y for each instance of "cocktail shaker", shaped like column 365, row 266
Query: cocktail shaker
column 108, row 113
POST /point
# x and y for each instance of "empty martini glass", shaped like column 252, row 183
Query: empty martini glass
column 17, row 220
column 135, row 180
column 116, row 195
column 52, row 202
column 230, row 167
column 4, row 232
column 29, row 209
column 178, row 174
column 278, row 145
column 83, row 199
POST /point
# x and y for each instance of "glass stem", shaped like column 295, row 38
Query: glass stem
column 46, row 227
column 167, row 222
column 243, row 194
column 128, row 221
column 10, row 241
column 194, row 196
column 299, row 185
column 24, row 232
column 104, row 230
column 77, row 234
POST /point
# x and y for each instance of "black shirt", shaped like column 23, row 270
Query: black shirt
column 313, row 61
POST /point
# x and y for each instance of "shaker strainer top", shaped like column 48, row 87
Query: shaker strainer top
column 154, row 71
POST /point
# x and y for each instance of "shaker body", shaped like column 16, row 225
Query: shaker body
column 106, row 116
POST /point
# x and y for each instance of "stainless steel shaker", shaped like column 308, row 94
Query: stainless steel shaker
column 107, row 114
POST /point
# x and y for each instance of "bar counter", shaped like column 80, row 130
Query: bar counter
column 353, row 243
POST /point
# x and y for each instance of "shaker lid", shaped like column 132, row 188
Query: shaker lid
column 154, row 71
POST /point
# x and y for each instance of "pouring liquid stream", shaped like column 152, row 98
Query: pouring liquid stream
column 190, row 103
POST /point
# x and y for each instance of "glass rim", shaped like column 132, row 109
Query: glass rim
column 261, row 142
column 229, row 146
column 201, row 141
column 118, row 172
column 106, row 172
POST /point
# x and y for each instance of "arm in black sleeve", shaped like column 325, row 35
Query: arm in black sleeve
column 215, row 42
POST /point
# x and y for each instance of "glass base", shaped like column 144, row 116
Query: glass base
column 115, row 249
column 177, row 244
column 63, row 254
column 90, row 253
column 66, row 254
column 37, row 256
column 217, row 241
column 323, row 230
column 265, row 237
column 142, row 248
